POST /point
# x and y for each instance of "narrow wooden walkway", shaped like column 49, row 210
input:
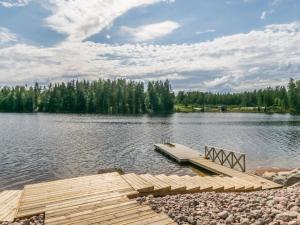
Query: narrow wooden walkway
column 178, row 152
column 183, row 154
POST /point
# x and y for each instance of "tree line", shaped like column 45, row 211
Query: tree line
column 102, row 96
column 130, row 97
column 281, row 98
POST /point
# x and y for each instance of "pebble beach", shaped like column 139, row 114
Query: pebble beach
column 274, row 207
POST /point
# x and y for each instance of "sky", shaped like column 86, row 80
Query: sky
column 206, row 45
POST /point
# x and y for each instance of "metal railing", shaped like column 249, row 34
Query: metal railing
column 225, row 157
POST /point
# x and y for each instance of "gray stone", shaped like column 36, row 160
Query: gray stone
column 259, row 222
column 229, row 219
column 293, row 179
column 286, row 216
column 223, row 214
column 280, row 179
column 245, row 221
column 295, row 209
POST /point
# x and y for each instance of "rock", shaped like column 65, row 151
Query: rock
column 293, row 179
column 280, row 179
column 295, row 209
column 274, row 207
column 229, row 219
column 259, row 222
column 286, row 216
column 245, row 221
column 223, row 214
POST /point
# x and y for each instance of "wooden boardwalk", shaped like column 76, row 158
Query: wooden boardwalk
column 183, row 154
column 108, row 198
column 180, row 153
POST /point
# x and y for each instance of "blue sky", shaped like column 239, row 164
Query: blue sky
column 213, row 45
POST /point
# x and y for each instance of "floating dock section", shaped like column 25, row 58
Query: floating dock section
column 183, row 154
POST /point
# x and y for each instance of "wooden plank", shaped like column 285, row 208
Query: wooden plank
column 190, row 186
column 36, row 197
column 227, row 187
column 175, row 186
column 9, row 202
column 128, row 212
column 215, row 186
column 223, row 170
column 248, row 186
column 204, row 186
column 237, row 186
column 159, row 185
column 68, row 207
column 138, row 183
column 81, row 217
column 177, row 151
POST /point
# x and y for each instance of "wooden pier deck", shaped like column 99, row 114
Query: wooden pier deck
column 183, row 154
column 108, row 198
column 180, row 153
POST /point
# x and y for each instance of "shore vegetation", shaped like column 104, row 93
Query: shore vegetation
column 121, row 96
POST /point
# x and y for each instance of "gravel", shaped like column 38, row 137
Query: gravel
column 34, row 220
column 280, row 206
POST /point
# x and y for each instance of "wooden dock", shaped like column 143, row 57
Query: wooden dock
column 183, row 154
column 108, row 198
column 178, row 152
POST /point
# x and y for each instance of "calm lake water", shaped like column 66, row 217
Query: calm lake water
column 38, row 147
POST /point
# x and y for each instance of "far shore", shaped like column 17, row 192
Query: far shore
column 229, row 109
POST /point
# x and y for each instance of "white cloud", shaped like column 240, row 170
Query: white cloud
column 80, row 19
column 291, row 27
column 263, row 15
column 218, row 81
column 242, row 61
column 150, row 31
column 6, row 36
column 14, row 3
column 206, row 31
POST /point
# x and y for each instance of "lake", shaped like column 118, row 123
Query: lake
column 40, row 147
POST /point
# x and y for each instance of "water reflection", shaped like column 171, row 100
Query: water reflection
column 38, row 147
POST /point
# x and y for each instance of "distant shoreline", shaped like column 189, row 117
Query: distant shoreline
column 228, row 109
column 187, row 110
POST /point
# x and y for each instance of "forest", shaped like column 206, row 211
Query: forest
column 103, row 96
column 121, row 96
column 277, row 99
